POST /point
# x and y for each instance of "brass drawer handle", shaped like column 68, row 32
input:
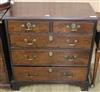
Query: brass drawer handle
column 70, row 58
column 50, row 53
column 72, row 43
column 75, row 41
column 28, row 26
column 29, row 43
column 50, row 70
column 67, row 74
column 73, row 27
column 50, row 38
column 30, row 59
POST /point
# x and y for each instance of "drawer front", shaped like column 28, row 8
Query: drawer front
column 73, row 27
column 55, row 41
column 50, row 58
column 28, row 26
column 41, row 74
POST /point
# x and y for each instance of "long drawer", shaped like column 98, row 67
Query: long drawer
column 47, row 40
column 41, row 74
column 50, row 57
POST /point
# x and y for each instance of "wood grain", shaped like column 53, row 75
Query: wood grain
column 42, row 41
column 61, row 26
column 42, row 74
column 35, row 26
column 43, row 58
column 51, row 10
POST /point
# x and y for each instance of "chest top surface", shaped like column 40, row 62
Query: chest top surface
column 51, row 10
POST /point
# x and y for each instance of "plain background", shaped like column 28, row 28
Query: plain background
column 94, row 3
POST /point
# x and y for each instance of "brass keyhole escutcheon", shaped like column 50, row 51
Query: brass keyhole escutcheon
column 50, row 38
column 70, row 58
column 50, row 53
column 50, row 70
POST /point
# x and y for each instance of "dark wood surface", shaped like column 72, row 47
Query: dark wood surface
column 57, row 10
column 43, row 26
column 22, row 26
column 50, row 57
column 42, row 41
column 84, row 26
column 49, row 73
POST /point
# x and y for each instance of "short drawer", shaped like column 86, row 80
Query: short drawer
column 41, row 74
column 28, row 26
column 50, row 57
column 73, row 27
column 54, row 41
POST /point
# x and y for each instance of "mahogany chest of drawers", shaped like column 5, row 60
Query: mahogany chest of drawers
column 50, row 43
